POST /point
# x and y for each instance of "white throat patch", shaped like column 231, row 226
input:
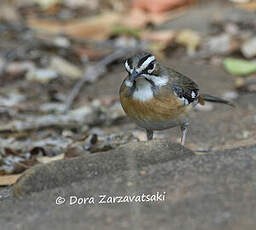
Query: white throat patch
column 158, row 81
column 143, row 90
column 128, row 83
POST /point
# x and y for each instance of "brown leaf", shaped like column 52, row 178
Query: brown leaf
column 98, row 27
column 9, row 180
column 160, row 5
column 138, row 18
column 250, row 6
column 162, row 36
column 101, row 26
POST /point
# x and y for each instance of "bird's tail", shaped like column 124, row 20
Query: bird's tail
column 207, row 97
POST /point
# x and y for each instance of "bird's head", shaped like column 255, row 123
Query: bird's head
column 140, row 66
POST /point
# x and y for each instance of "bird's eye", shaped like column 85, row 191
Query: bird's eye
column 151, row 67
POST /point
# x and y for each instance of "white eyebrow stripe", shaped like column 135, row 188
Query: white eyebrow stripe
column 128, row 67
column 193, row 94
column 146, row 63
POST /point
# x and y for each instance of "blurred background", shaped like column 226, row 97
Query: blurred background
column 61, row 66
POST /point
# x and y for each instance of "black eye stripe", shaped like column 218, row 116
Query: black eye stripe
column 129, row 62
column 151, row 82
column 150, row 65
column 142, row 60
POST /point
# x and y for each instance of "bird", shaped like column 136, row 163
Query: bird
column 156, row 97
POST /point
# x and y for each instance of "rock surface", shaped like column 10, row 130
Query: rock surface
column 210, row 192
column 64, row 172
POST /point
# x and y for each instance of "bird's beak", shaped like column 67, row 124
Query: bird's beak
column 133, row 75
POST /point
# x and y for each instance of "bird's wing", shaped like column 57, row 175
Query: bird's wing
column 184, row 88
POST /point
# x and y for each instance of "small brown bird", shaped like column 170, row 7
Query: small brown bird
column 157, row 97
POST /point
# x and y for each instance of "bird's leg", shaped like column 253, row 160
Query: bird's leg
column 149, row 134
column 184, row 129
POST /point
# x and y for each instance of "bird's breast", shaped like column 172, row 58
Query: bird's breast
column 154, row 110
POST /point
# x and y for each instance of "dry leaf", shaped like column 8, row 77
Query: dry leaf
column 190, row 39
column 65, row 68
column 162, row 36
column 41, row 75
column 46, row 159
column 160, row 5
column 250, row 6
column 246, row 84
column 46, row 4
column 18, row 68
column 9, row 13
column 248, row 48
column 9, row 180
column 101, row 26
column 138, row 18
column 140, row 135
column 159, row 40
column 98, row 27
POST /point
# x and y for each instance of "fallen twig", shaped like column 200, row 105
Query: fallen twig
column 95, row 71
column 81, row 116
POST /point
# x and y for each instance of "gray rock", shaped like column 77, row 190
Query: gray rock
column 209, row 192
column 65, row 172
